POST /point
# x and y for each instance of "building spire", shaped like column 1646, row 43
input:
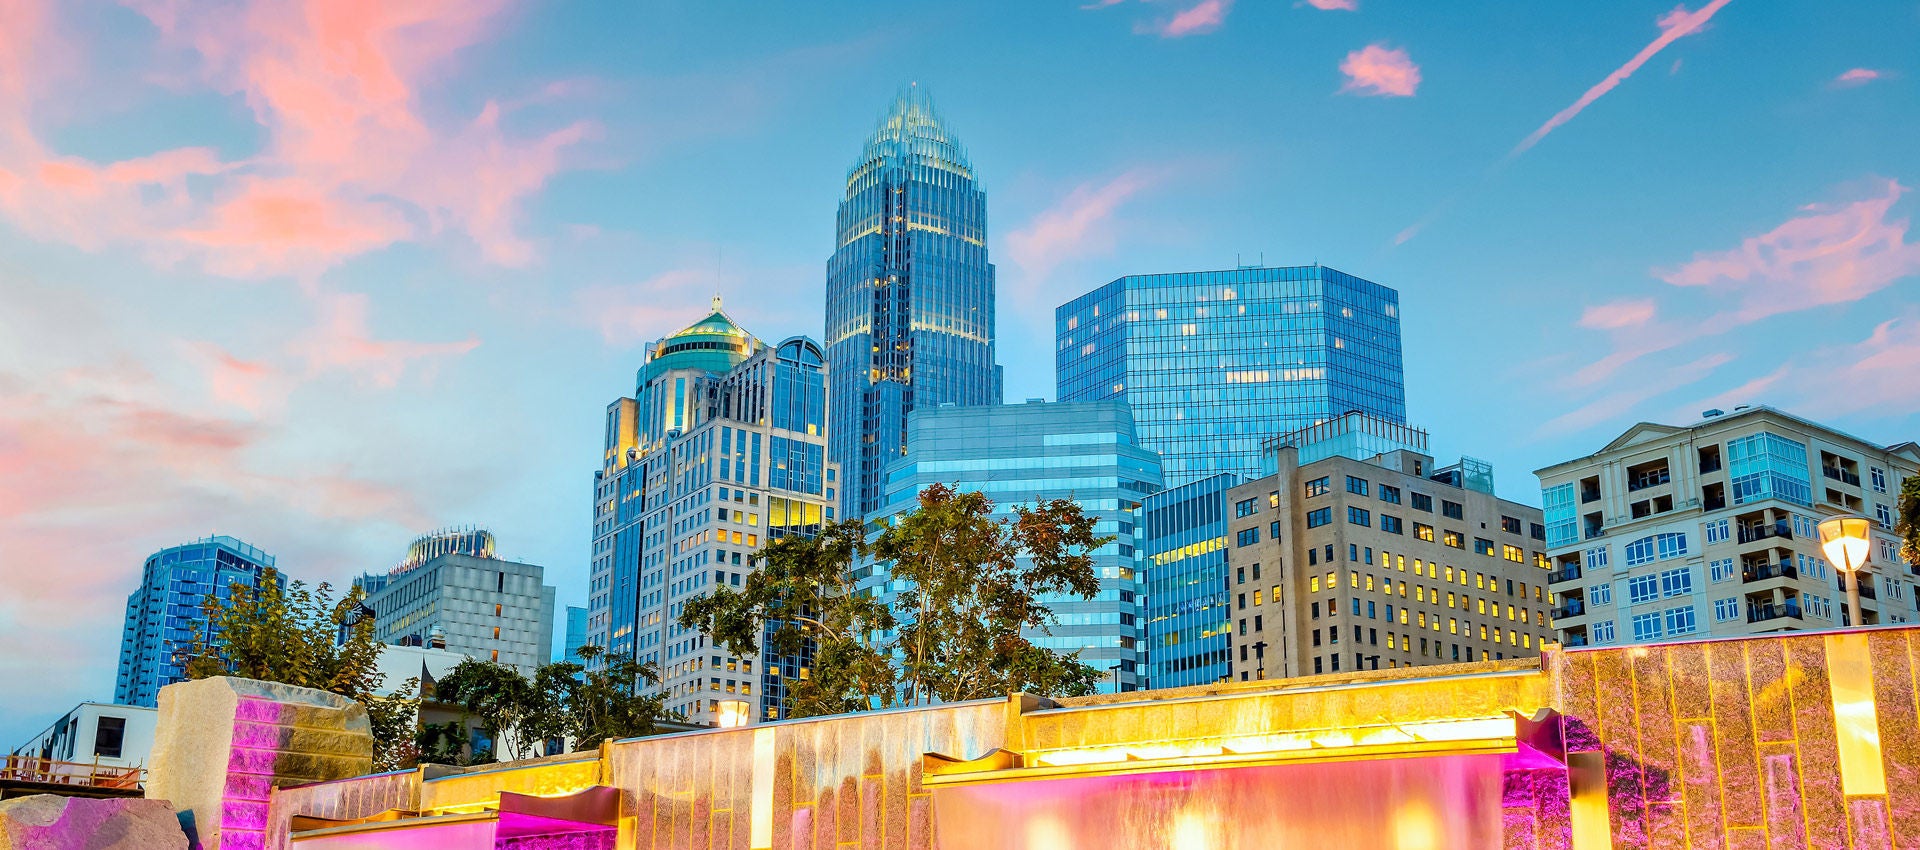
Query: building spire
column 716, row 302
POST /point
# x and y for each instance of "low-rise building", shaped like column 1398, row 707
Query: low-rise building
column 1712, row 529
column 96, row 733
column 1354, row 552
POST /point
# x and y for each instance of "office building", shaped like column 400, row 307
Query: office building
column 1018, row 453
column 1183, row 582
column 452, row 588
column 1213, row 363
column 1355, row 553
column 96, row 733
column 576, row 636
column 1710, row 529
column 910, row 319
column 721, row 450
column 165, row 612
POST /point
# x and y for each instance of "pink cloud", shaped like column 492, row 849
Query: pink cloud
column 1674, row 25
column 1330, row 5
column 1857, row 77
column 1077, row 224
column 1829, row 254
column 1379, row 70
column 290, row 225
column 1618, row 403
column 1202, row 17
column 342, row 341
column 1618, row 314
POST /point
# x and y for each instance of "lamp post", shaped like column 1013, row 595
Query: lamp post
column 1847, row 542
column 733, row 713
column 1260, row 652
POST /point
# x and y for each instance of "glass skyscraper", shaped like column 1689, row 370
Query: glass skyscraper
column 1017, row 453
column 164, row 611
column 1183, row 582
column 909, row 293
column 1214, row 362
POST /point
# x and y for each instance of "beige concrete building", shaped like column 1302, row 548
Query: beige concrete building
column 1710, row 529
column 1354, row 552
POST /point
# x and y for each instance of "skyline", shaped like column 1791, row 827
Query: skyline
column 327, row 300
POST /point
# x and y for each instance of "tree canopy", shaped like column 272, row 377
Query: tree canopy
column 976, row 589
column 1907, row 519
column 563, row 700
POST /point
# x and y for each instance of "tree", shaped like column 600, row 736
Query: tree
column 805, row 591
column 1907, row 518
column 977, row 586
column 605, row 703
column 562, row 700
column 976, row 590
column 282, row 631
column 499, row 696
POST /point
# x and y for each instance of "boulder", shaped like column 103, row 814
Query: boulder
column 49, row 822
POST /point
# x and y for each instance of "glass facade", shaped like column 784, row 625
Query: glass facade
column 164, row 612
column 1018, row 453
column 909, row 309
column 1769, row 466
column 1183, row 582
column 1215, row 362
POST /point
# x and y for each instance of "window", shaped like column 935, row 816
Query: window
column 109, row 737
column 1317, row 487
column 1390, row 524
column 1726, row 609
column 1885, row 515
column 1423, row 531
column 1603, row 632
column 1359, row 516
column 1680, row 621
column 1878, row 475
column 1452, row 510
column 1273, row 531
column 1647, row 626
column 1764, row 466
column 1510, row 524
column 1720, row 570
column 1600, row 594
column 1642, row 589
column 1596, row 558
column 1453, row 538
column 1536, row 531
column 1660, row 547
column 1317, row 518
column 1716, row 531
column 1676, row 582
column 1391, row 494
column 1423, row 502
column 1514, row 554
column 1562, row 515
column 1247, row 537
column 1357, row 485
column 1483, row 546
column 1244, row 507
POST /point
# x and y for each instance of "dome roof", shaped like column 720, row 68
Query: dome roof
column 715, row 344
column 716, row 323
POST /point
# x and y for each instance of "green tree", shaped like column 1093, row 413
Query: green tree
column 283, row 631
column 805, row 590
column 1907, row 519
column 977, row 586
column 562, row 700
column 606, row 702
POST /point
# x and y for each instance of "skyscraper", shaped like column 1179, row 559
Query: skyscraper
column 1183, row 582
column 722, row 449
column 452, row 588
column 909, row 293
column 1017, row 453
column 164, row 611
column 1215, row 362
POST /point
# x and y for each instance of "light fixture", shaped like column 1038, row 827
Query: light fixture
column 732, row 714
column 1847, row 542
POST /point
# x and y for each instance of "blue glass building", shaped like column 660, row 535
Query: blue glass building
column 909, row 293
column 576, row 635
column 1022, row 452
column 1183, row 582
column 164, row 612
column 722, row 449
column 1214, row 362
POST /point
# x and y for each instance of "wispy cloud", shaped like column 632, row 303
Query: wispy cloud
column 1078, row 224
column 1618, row 314
column 1331, row 5
column 1621, row 401
column 1857, row 77
column 1380, row 70
column 342, row 341
column 1202, row 17
column 1673, row 26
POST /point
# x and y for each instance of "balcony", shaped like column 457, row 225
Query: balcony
column 1762, row 572
column 1838, row 474
column 1780, row 528
column 1593, row 531
column 1866, row 586
column 1575, row 640
column 1713, row 502
column 1569, row 608
column 1770, row 611
column 1649, row 478
column 1565, row 572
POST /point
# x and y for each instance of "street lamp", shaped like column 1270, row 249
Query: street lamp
column 1847, row 541
column 732, row 714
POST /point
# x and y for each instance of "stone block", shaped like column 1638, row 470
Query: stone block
column 221, row 744
column 49, row 822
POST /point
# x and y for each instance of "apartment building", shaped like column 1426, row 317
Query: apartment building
column 1353, row 552
column 1710, row 529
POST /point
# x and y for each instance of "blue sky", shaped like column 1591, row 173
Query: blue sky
column 322, row 277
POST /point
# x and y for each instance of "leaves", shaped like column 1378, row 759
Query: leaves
column 1907, row 519
column 562, row 700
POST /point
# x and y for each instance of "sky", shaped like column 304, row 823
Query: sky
column 325, row 275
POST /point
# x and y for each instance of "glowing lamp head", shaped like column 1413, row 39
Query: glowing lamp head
column 1846, row 541
column 732, row 713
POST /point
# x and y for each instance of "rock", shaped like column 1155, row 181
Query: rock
column 49, row 822
column 222, row 744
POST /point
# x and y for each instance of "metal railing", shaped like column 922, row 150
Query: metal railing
column 1569, row 608
column 1770, row 611
column 1838, row 474
column 1762, row 572
column 1566, row 572
column 1866, row 585
column 1779, row 528
column 22, row 768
